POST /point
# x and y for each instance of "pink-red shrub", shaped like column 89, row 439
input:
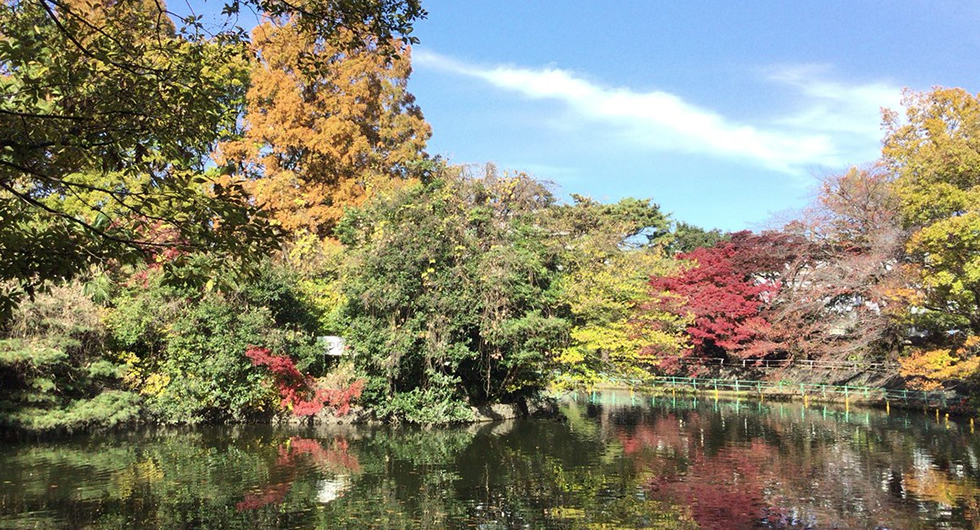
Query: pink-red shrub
column 299, row 392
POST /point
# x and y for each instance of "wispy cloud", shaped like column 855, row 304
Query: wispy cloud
column 835, row 106
column 833, row 124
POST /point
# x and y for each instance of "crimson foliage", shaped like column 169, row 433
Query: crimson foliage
column 724, row 300
column 299, row 392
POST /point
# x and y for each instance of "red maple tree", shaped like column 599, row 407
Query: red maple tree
column 724, row 300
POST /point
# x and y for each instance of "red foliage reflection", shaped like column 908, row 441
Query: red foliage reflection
column 336, row 458
column 725, row 490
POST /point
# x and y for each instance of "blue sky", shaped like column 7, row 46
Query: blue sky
column 724, row 113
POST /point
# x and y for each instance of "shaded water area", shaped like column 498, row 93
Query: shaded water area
column 615, row 461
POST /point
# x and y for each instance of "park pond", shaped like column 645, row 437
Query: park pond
column 611, row 461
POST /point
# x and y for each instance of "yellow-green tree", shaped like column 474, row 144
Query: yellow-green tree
column 610, row 251
column 615, row 334
column 934, row 154
column 107, row 114
column 326, row 125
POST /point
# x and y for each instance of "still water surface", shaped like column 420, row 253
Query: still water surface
column 615, row 461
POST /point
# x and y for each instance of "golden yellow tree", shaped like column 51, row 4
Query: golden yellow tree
column 325, row 125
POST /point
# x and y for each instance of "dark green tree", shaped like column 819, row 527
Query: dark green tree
column 688, row 237
column 451, row 288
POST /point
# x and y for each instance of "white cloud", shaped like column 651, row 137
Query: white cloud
column 834, row 124
column 835, row 106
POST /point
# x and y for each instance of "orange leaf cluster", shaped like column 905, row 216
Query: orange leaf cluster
column 929, row 370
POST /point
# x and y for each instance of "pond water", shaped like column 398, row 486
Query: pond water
column 615, row 461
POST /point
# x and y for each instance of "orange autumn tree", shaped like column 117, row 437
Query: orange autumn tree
column 325, row 124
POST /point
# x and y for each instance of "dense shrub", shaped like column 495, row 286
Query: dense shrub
column 185, row 349
column 52, row 371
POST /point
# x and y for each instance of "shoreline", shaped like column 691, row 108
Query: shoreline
column 539, row 407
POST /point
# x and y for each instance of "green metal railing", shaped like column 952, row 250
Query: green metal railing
column 937, row 399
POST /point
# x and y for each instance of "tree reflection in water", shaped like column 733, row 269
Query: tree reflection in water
column 674, row 464
column 335, row 459
column 784, row 466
